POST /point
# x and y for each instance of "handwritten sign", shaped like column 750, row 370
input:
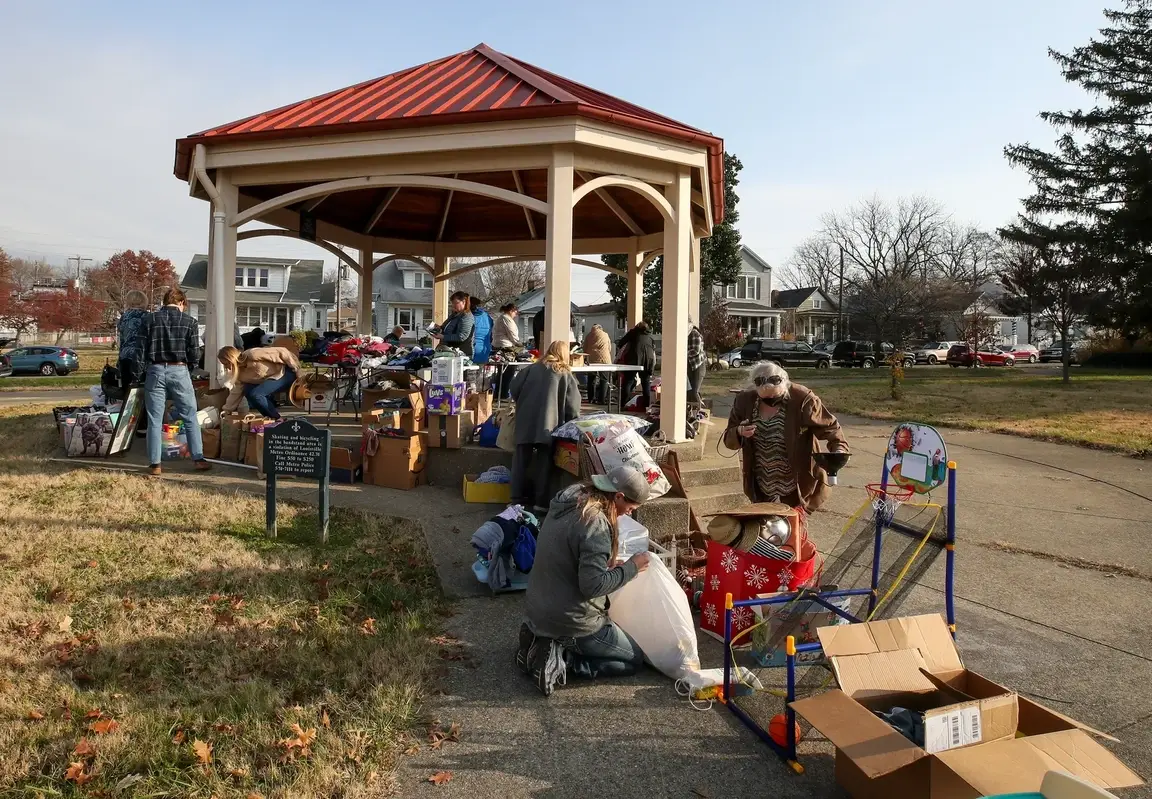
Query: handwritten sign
column 299, row 449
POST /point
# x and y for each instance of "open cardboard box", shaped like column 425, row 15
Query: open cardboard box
column 972, row 724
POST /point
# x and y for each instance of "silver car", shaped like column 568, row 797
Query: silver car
column 933, row 352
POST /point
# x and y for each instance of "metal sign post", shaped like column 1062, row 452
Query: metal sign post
column 299, row 449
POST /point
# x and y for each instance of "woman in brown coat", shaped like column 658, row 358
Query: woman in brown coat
column 775, row 425
column 597, row 349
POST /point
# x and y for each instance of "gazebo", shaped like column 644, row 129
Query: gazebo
column 474, row 155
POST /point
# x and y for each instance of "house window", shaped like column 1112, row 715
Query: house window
column 620, row 324
column 746, row 287
column 426, row 281
column 319, row 321
column 406, row 318
column 239, row 277
column 263, row 278
column 817, row 304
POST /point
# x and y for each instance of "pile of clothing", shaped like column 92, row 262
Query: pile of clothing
column 497, row 474
column 412, row 359
column 505, row 549
column 510, row 356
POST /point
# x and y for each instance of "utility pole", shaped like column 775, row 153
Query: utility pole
column 76, row 299
column 840, row 300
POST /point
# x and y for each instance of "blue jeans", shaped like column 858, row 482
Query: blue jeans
column 163, row 383
column 260, row 394
column 611, row 652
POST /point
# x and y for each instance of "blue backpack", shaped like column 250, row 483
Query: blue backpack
column 524, row 550
column 489, row 432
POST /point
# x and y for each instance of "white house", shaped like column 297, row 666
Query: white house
column 604, row 315
column 277, row 295
column 810, row 312
column 403, row 298
column 749, row 299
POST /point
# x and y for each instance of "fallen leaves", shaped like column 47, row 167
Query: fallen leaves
column 58, row 596
column 325, row 721
column 93, row 714
column 93, row 564
column 76, row 773
column 104, row 726
column 35, row 715
column 84, row 749
column 203, row 751
column 440, row 778
column 179, row 737
column 368, row 626
column 298, row 745
column 65, row 624
column 437, row 736
column 127, row 604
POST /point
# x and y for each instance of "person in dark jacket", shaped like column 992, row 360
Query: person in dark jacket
column 638, row 348
column 547, row 395
column 130, row 362
column 566, row 628
column 481, row 332
column 457, row 329
column 538, row 330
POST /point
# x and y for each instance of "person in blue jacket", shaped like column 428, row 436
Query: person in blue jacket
column 481, row 332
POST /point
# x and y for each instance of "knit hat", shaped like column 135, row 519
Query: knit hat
column 624, row 479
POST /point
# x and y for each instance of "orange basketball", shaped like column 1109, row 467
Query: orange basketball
column 778, row 730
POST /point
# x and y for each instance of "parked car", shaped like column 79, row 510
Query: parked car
column 1027, row 353
column 732, row 358
column 825, row 346
column 43, row 360
column 933, row 352
column 864, row 355
column 961, row 355
column 1055, row 352
column 5, row 367
column 785, row 353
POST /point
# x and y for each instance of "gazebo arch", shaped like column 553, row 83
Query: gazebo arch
column 244, row 235
column 474, row 155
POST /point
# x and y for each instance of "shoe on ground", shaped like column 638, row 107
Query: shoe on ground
column 549, row 667
column 154, row 470
column 526, row 650
column 202, row 466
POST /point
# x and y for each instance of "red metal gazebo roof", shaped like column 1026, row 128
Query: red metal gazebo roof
column 477, row 85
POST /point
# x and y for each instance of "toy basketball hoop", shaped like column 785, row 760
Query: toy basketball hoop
column 886, row 500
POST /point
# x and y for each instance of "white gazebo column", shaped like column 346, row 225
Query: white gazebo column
column 364, row 316
column 694, row 282
column 221, row 284
column 558, row 250
column 635, row 306
column 439, row 291
column 674, row 333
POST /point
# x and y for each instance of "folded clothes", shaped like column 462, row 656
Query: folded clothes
column 497, row 474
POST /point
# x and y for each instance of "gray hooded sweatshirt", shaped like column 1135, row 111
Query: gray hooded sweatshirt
column 570, row 581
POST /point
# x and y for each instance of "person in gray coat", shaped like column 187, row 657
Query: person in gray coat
column 547, row 395
column 566, row 628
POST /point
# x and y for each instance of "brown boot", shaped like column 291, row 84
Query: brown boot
column 202, row 466
column 154, row 470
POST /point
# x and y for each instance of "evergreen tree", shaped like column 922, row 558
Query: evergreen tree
column 1093, row 194
column 719, row 256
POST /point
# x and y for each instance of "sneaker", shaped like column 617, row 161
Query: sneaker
column 526, row 650
column 549, row 667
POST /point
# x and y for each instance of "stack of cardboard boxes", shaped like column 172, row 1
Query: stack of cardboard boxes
column 980, row 738
column 394, row 459
column 450, row 424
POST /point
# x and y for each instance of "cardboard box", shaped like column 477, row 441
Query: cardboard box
column 912, row 662
column 345, row 465
column 490, row 493
column 445, row 399
column 566, row 456
column 211, row 440
column 379, row 417
column 576, row 359
column 448, row 370
column 415, row 402
column 481, row 406
column 213, row 398
column 399, row 462
column 450, row 432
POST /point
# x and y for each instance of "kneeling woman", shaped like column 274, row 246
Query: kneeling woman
column 257, row 374
column 567, row 630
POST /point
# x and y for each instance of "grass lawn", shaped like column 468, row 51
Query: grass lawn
column 155, row 643
column 59, row 383
column 1098, row 409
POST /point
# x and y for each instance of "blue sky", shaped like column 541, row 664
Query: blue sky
column 824, row 102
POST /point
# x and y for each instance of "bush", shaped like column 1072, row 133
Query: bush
column 300, row 337
column 310, row 336
column 1121, row 359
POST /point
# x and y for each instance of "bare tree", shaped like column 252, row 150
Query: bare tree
column 499, row 284
column 349, row 287
column 816, row 262
column 1018, row 270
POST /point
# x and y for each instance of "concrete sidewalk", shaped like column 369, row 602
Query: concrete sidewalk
column 1054, row 573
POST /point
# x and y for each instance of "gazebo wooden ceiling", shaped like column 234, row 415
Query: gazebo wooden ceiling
column 475, row 86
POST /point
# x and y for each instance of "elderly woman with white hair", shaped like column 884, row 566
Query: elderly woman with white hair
column 776, row 424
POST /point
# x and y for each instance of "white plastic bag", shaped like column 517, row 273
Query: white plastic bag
column 208, row 418
column 626, row 446
column 653, row 609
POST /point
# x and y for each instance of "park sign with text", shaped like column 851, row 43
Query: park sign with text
column 296, row 448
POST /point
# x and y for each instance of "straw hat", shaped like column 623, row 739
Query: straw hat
column 724, row 529
column 749, row 534
column 299, row 392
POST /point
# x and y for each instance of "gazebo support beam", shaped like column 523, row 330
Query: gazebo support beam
column 635, row 305
column 380, row 209
column 677, row 263
column 694, row 282
column 558, row 257
column 364, row 318
column 440, row 289
column 527, row 214
column 615, row 207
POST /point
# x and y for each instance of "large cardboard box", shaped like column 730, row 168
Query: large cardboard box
column 969, row 721
column 481, row 406
column 345, row 465
column 398, row 462
column 447, row 369
column 450, row 432
column 415, row 399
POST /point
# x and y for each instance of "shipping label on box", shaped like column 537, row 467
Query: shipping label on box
column 444, row 399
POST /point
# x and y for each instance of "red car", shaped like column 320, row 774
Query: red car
column 1027, row 353
column 961, row 355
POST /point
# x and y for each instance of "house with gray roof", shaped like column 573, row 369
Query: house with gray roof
column 749, row 298
column 277, row 295
column 403, row 298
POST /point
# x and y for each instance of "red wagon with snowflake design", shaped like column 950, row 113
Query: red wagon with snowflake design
column 745, row 575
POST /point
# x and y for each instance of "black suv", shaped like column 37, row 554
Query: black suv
column 863, row 354
column 785, row 353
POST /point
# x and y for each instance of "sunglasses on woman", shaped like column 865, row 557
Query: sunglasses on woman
column 774, row 380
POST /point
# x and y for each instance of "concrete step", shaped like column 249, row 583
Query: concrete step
column 710, row 499
column 711, row 470
column 665, row 517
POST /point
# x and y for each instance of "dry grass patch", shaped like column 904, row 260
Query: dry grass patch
column 152, row 638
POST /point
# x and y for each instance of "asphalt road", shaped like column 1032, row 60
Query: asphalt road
column 35, row 396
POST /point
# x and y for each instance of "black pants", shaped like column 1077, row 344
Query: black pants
column 695, row 380
column 645, row 378
column 531, row 471
column 598, row 388
column 130, row 376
